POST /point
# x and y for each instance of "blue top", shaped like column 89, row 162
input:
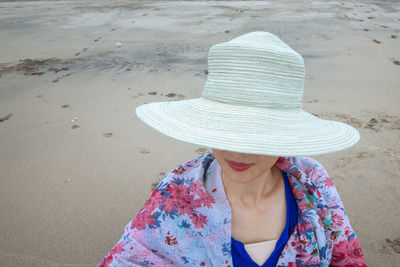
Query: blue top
column 239, row 253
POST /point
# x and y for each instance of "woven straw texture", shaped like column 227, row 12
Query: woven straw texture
column 251, row 103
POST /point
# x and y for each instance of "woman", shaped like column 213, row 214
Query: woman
column 255, row 200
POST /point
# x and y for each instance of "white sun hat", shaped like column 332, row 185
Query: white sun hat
column 251, row 103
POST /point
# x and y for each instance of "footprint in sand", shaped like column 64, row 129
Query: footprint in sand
column 383, row 121
column 65, row 75
column 365, row 154
column 394, row 244
column 350, row 120
column 57, row 70
column 144, row 151
column 83, row 50
column 371, row 125
column 43, row 98
column 97, row 39
column 393, row 36
column 378, row 122
column 152, row 93
column 75, row 126
column 136, row 96
column 65, row 106
column 376, row 41
column 107, row 135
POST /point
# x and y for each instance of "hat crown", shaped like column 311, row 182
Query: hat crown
column 256, row 69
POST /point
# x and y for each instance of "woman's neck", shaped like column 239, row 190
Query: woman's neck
column 250, row 194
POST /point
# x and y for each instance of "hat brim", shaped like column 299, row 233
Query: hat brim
column 244, row 129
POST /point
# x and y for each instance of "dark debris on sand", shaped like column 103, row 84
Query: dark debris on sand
column 35, row 66
column 6, row 117
column 396, row 62
column 107, row 135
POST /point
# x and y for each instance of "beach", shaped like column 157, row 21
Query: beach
column 76, row 164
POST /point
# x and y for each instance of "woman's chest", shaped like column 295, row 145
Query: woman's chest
column 257, row 225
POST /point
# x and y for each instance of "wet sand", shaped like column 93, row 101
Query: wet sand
column 75, row 162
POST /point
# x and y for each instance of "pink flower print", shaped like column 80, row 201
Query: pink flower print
column 118, row 248
column 302, row 204
column 186, row 204
column 151, row 204
column 355, row 252
column 199, row 220
column 206, row 199
column 106, row 261
column 347, row 253
column 303, row 227
column 156, row 196
column 169, row 204
column 328, row 182
column 177, row 191
column 195, row 204
column 142, row 220
column 339, row 252
column 197, row 187
column 299, row 193
column 318, row 173
column 347, row 231
column 337, row 220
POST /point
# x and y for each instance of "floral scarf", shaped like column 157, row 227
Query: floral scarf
column 187, row 221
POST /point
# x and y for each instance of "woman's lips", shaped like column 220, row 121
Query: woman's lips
column 238, row 166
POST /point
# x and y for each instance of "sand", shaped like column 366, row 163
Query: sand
column 76, row 164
